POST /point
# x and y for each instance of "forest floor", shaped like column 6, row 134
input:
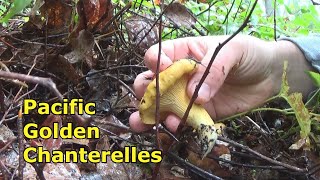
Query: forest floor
column 96, row 55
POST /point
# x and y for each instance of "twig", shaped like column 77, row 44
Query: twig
column 315, row 3
column 21, row 144
column 254, row 123
column 7, row 144
column 238, row 10
column 46, row 82
column 288, row 166
column 37, row 43
column 111, row 124
column 4, row 170
column 111, row 134
column 280, row 168
column 228, row 12
column 26, row 94
column 274, row 20
column 5, row 68
column 14, row 172
column 219, row 47
column 204, row 174
column 145, row 35
column 123, row 84
column 125, row 8
column 20, row 90
column 157, row 114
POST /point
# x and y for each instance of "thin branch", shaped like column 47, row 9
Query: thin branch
column 46, row 82
column 21, row 144
column 288, row 166
column 123, row 84
column 157, row 115
column 219, row 47
column 204, row 174
column 274, row 20
column 315, row 3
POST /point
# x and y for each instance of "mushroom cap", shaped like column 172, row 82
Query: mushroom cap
column 168, row 79
column 174, row 99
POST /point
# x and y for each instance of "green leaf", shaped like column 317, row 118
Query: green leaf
column 301, row 112
column 288, row 9
column 17, row 7
column 315, row 77
column 284, row 86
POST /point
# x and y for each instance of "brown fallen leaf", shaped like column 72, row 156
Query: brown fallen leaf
column 58, row 13
column 5, row 135
column 82, row 47
column 59, row 65
column 61, row 171
column 180, row 15
column 51, row 143
column 137, row 28
column 111, row 170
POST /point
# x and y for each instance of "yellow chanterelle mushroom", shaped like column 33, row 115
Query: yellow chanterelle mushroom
column 174, row 99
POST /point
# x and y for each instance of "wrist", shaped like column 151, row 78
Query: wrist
column 297, row 78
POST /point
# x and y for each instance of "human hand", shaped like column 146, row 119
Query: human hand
column 245, row 73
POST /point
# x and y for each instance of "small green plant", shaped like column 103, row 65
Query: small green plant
column 16, row 7
column 315, row 78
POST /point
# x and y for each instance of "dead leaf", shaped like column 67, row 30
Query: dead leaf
column 298, row 145
column 111, row 170
column 157, row 2
column 84, row 142
column 29, row 172
column 5, row 135
column 97, row 13
column 137, row 28
column 58, row 13
column 61, row 171
column 180, row 15
column 82, row 47
column 178, row 171
column 10, row 158
column 103, row 144
column 60, row 65
column 208, row 163
column 31, row 49
column 51, row 143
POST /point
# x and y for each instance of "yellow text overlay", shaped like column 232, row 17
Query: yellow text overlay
column 74, row 106
column 129, row 155
column 31, row 131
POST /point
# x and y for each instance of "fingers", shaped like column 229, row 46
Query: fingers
column 223, row 63
column 171, row 122
column 136, row 124
column 173, row 50
column 141, row 82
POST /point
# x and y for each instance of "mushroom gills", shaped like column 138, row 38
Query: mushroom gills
column 175, row 101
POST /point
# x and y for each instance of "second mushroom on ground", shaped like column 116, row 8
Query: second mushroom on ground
column 174, row 99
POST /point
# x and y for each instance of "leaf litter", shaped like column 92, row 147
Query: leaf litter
column 92, row 54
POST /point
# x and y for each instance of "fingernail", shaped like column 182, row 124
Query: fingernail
column 204, row 92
